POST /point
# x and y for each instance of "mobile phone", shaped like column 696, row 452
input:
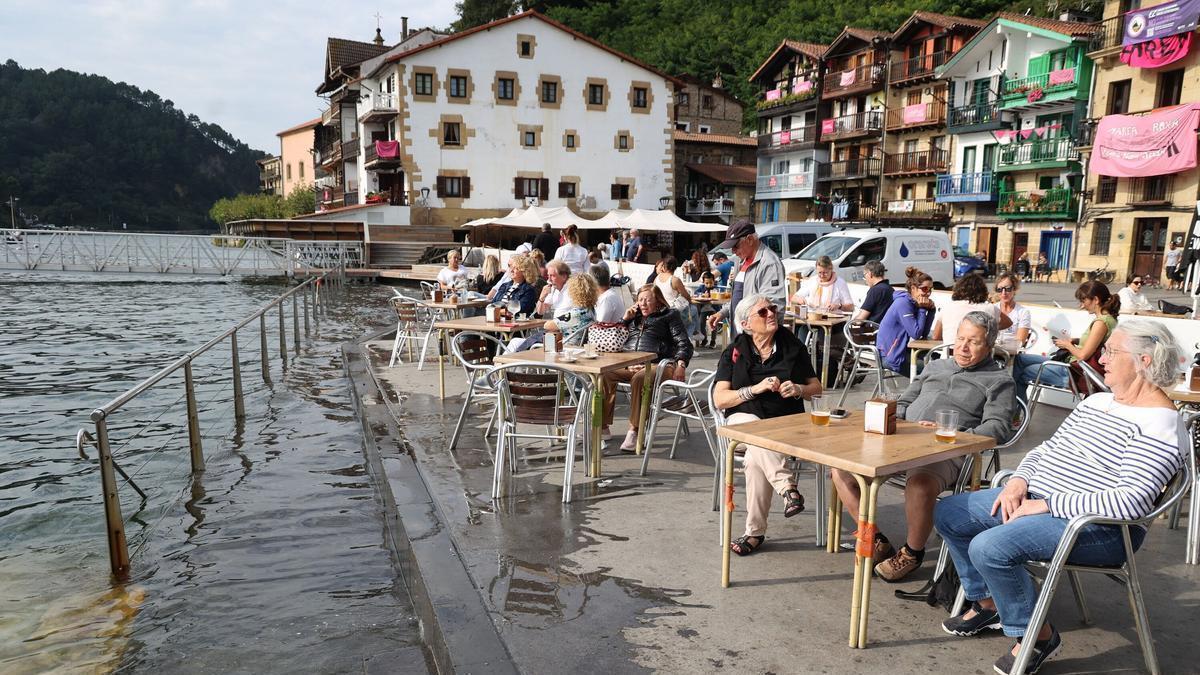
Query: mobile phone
column 839, row 413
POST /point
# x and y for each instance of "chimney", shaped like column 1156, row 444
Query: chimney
column 403, row 28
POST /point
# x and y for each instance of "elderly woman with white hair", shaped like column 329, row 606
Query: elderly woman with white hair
column 765, row 373
column 1111, row 457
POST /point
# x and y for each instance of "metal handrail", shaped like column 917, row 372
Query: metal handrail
column 309, row 290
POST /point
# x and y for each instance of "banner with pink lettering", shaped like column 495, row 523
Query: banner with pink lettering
column 914, row 114
column 1163, row 142
column 1158, row 52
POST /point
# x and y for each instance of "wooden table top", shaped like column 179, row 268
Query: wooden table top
column 456, row 305
column 844, row 445
column 925, row 344
column 1154, row 313
column 603, row 363
column 480, row 324
column 1181, row 394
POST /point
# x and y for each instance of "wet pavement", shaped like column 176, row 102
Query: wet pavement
column 626, row 578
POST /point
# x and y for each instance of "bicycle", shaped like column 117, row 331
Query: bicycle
column 1102, row 274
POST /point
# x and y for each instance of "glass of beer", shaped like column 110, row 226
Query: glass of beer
column 820, row 411
column 947, row 426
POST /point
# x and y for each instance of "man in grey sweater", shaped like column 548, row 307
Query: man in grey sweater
column 981, row 390
column 759, row 271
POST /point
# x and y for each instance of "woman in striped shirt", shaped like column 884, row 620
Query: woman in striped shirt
column 1111, row 457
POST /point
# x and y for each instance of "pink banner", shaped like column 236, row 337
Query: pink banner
column 1158, row 52
column 1164, row 142
column 802, row 86
column 387, row 149
column 774, row 94
column 828, row 126
column 914, row 114
column 785, row 137
column 848, row 78
column 1064, row 76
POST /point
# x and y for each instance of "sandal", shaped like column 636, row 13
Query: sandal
column 743, row 546
column 794, row 504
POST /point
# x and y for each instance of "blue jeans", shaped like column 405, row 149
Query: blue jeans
column 1025, row 370
column 989, row 556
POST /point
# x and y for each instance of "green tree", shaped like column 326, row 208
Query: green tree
column 473, row 13
column 301, row 201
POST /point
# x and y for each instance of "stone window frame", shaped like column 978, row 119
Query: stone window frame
column 574, row 182
column 587, row 94
column 435, row 84
column 470, row 91
column 531, row 175
column 574, row 135
column 556, row 104
column 639, row 84
column 628, row 140
column 532, row 40
column 535, row 129
column 630, row 191
column 465, row 186
column 506, row 75
column 438, row 133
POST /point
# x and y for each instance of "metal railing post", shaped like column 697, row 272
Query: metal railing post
column 118, row 550
column 262, row 334
column 193, row 420
column 307, row 293
column 239, row 406
column 282, row 335
column 295, row 324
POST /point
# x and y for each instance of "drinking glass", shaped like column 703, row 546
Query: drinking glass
column 589, row 350
column 513, row 307
column 947, row 426
column 819, row 411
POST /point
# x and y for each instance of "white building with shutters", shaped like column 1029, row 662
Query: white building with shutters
column 522, row 110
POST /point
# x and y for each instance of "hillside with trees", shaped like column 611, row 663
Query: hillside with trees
column 84, row 151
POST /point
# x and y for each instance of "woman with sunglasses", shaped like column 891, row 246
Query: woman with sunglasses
column 1022, row 323
column 909, row 318
column 765, row 373
column 1132, row 297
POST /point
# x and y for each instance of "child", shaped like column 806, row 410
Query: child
column 704, row 290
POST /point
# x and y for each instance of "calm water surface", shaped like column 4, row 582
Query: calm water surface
column 273, row 560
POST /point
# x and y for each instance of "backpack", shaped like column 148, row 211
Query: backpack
column 941, row 590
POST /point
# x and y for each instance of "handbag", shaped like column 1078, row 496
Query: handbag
column 608, row 337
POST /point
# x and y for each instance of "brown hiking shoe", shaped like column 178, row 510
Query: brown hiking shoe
column 882, row 550
column 898, row 566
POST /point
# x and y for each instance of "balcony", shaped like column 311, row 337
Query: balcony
column 784, row 186
column 380, row 107
column 917, row 116
column 350, row 148
column 854, row 125
column 858, row 80
column 1028, row 92
column 1109, row 34
column 790, row 95
column 914, row 210
column 1151, row 191
column 327, row 154
column 1050, row 204
column 966, row 187
column 918, row 68
column 1042, row 154
column 923, row 161
column 849, row 169
column 715, row 206
column 798, row 138
column 848, row 210
column 375, row 160
column 975, row 117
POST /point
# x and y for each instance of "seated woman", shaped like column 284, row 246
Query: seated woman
column 572, row 325
column 489, row 276
column 1021, row 322
column 522, row 271
column 970, row 295
column 1094, row 297
column 453, row 275
column 653, row 327
column 824, row 289
column 909, row 318
column 1111, row 457
column 1132, row 297
column 766, row 372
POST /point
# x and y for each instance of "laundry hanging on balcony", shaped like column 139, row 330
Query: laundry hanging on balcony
column 1132, row 146
column 848, row 77
column 802, row 86
column 387, row 149
column 915, row 113
column 1061, row 76
column 1005, row 137
column 1156, row 53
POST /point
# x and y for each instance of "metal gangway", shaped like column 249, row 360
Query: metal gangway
column 223, row 255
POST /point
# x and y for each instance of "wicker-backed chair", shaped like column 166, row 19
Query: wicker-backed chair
column 475, row 351
column 414, row 324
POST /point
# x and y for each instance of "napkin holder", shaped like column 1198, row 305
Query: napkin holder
column 879, row 417
column 493, row 313
column 1193, row 380
column 438, row 296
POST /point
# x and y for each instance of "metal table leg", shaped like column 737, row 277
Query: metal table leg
column 828, row 330
column 442, row 348
column 727, row 516
column 860, row 601
column 597, row 416
column 644, row 411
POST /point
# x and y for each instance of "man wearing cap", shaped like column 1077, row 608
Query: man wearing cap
column 759, row 272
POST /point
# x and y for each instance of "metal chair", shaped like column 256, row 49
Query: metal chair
column 474, row 352
column 862, row 357
column 1192, row 552
column 1094, row 380
column 414, row 324
column 427, row 289
column 1125, row 573
column 678, row 399
column 539, row 395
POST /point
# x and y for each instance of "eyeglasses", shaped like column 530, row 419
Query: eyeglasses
column 1004, row 289
column 769, row 309
column 925, row 289
column 1109, row 351
column 1136, row 282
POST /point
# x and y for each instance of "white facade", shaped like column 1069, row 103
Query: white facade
column 493, row 134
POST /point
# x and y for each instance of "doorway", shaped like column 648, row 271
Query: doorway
column 985, row 244
column 1057, row 247
column 1149, row 246
column 1020, row 246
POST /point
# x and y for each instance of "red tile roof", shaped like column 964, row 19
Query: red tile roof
column 300, row 127
column 1071, row 28
column 864, row 34
column 940, row 20
column 726, row 174
column 723, row 139
column 809, row 49
column 340, row 52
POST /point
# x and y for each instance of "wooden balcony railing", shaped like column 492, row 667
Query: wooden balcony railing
column 868, row 123
column 917, row 67
column 918, row 115
column 1024, row 90
column 848, row 210
column 922, row 161
column 914, row 209
column 849, row 169
column 794, row 136
column 868, row 77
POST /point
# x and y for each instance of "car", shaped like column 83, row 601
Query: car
column 966, row 263
column 897, row 248
column 786, row 239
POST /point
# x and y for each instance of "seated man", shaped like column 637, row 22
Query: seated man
column 981, row 390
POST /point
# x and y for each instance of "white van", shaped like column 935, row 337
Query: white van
column 787, row 239
column 896, row 248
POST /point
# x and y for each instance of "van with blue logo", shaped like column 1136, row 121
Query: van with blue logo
column 897, row 248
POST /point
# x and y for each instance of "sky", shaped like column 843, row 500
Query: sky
column 250, row 66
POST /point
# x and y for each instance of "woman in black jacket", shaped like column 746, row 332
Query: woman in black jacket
column 653, row 327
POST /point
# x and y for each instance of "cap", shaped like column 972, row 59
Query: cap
column 738, row 230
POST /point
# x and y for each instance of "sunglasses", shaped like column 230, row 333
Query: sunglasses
column 1004, row 289
column 769, row 309
column 925, row 289
column 1136, row 283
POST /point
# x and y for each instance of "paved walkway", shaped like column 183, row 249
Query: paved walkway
column 626, row 578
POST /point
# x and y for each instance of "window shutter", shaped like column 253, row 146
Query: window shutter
column 615, row 191
column 544, row 192
column 441, row 186
column 562, row 189
column 466, row 187
column 518, row 188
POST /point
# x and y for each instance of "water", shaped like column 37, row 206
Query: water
column 272, row 560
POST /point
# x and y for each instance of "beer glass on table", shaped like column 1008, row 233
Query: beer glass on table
column 947, row 426
column 820, row 411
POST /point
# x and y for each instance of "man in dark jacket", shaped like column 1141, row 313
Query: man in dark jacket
column 879, row 295
column 546, row 242
column 653, row 327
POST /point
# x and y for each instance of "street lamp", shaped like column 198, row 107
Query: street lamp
column 663, row 202
column 12, row 210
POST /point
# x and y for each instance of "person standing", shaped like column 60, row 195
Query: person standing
column 760, row 273
column 1174, row 254
column 546, row 242
column 633, row 247
column 571, row 252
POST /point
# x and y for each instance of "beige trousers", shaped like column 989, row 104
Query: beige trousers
column 766, row 475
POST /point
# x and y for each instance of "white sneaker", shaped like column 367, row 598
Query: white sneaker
column 630, row 444
column 605, row 434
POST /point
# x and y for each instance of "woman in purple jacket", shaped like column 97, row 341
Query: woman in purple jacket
column 909, row 318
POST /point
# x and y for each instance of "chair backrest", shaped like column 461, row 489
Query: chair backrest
column 861, row 332
column 533, row 394
column 1021, row 422
column 427, row 289
column 1031, row 340
column 717, row 414
column 475, row 351
column 941, row 351
column 407, row 309
column 1095, row 381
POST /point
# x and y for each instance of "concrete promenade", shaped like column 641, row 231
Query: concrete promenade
column 626, row 578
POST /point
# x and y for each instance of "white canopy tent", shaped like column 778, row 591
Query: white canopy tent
column 559, row 217
column 664, row 221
